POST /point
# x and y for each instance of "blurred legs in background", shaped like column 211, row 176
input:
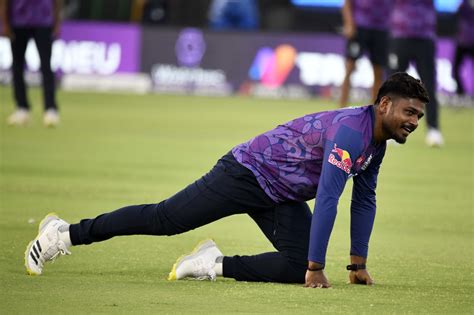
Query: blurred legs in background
column 422, row 52
column 461, row 53
column 374, row 42
column 44, row 40
column 346, row 84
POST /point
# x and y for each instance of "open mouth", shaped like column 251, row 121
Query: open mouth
column 408, row 129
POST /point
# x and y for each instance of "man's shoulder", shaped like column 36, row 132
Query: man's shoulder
column 355, row 118
column 335, row 116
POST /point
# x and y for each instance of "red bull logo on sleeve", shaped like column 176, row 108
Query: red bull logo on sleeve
column 343, row 160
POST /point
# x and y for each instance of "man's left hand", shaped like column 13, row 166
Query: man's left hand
column 361, row 276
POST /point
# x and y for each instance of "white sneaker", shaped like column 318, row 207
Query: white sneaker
column 20, row 117
column 51, row 118
column 46, row 246
column 198, row 264
column 434, row 138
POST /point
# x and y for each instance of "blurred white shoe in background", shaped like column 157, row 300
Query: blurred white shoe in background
column 434, row 138
column 51, row 118
column 20, row 117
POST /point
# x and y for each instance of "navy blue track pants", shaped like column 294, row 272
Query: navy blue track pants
column 229, row 188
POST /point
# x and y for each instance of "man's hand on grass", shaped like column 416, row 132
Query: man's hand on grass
column 361, row 276
column 316, row 279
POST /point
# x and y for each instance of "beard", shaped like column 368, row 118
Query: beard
column 394, row 133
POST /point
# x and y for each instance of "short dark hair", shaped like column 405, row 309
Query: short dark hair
column 403, row 85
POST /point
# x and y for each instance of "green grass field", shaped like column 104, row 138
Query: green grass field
column 113, row 150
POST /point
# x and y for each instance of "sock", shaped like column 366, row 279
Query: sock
column 218, row 265
column 64, row 235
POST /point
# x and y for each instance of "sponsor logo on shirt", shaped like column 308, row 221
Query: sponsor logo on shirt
column 366, row 163
column 343, row 160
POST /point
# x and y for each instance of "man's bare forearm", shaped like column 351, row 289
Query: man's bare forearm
column 347, row 13
column 58, row 4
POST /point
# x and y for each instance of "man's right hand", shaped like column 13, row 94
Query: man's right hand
column 349, row 30
column 316, row 279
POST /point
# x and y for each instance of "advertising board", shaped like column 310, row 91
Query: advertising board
column 266, row 64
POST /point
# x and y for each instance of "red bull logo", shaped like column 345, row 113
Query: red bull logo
column 343, row 161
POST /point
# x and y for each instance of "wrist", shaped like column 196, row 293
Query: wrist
column 315, row 266
column 357, row 263
column 358, row 260
column 355, row 267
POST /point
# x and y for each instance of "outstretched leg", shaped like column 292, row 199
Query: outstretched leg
column 229, row 188
column 218, row 194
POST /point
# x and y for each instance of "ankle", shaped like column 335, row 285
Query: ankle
column 218, row 266
column 64, row 235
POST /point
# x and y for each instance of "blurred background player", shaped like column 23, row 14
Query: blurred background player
column 464, row 41
column 365, row 26
column 413, row 27
column 24, row 20
column 234, row 14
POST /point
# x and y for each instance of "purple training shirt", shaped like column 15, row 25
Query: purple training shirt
column 413, row 19
column 313, row 156
column 372, row 14
column 31, row 13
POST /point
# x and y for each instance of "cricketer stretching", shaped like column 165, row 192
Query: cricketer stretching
column 270, row 178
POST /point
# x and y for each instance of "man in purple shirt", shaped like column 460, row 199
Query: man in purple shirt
column 24, row 20
column 465, row 40
column 413, row 27
column 365, row 26
column 270, row 178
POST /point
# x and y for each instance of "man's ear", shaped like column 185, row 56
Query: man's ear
column 385, row 104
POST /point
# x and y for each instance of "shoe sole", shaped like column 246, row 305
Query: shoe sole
column 27, row 251
column 172, row 275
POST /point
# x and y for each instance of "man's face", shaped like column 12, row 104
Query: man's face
column 402, row 117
